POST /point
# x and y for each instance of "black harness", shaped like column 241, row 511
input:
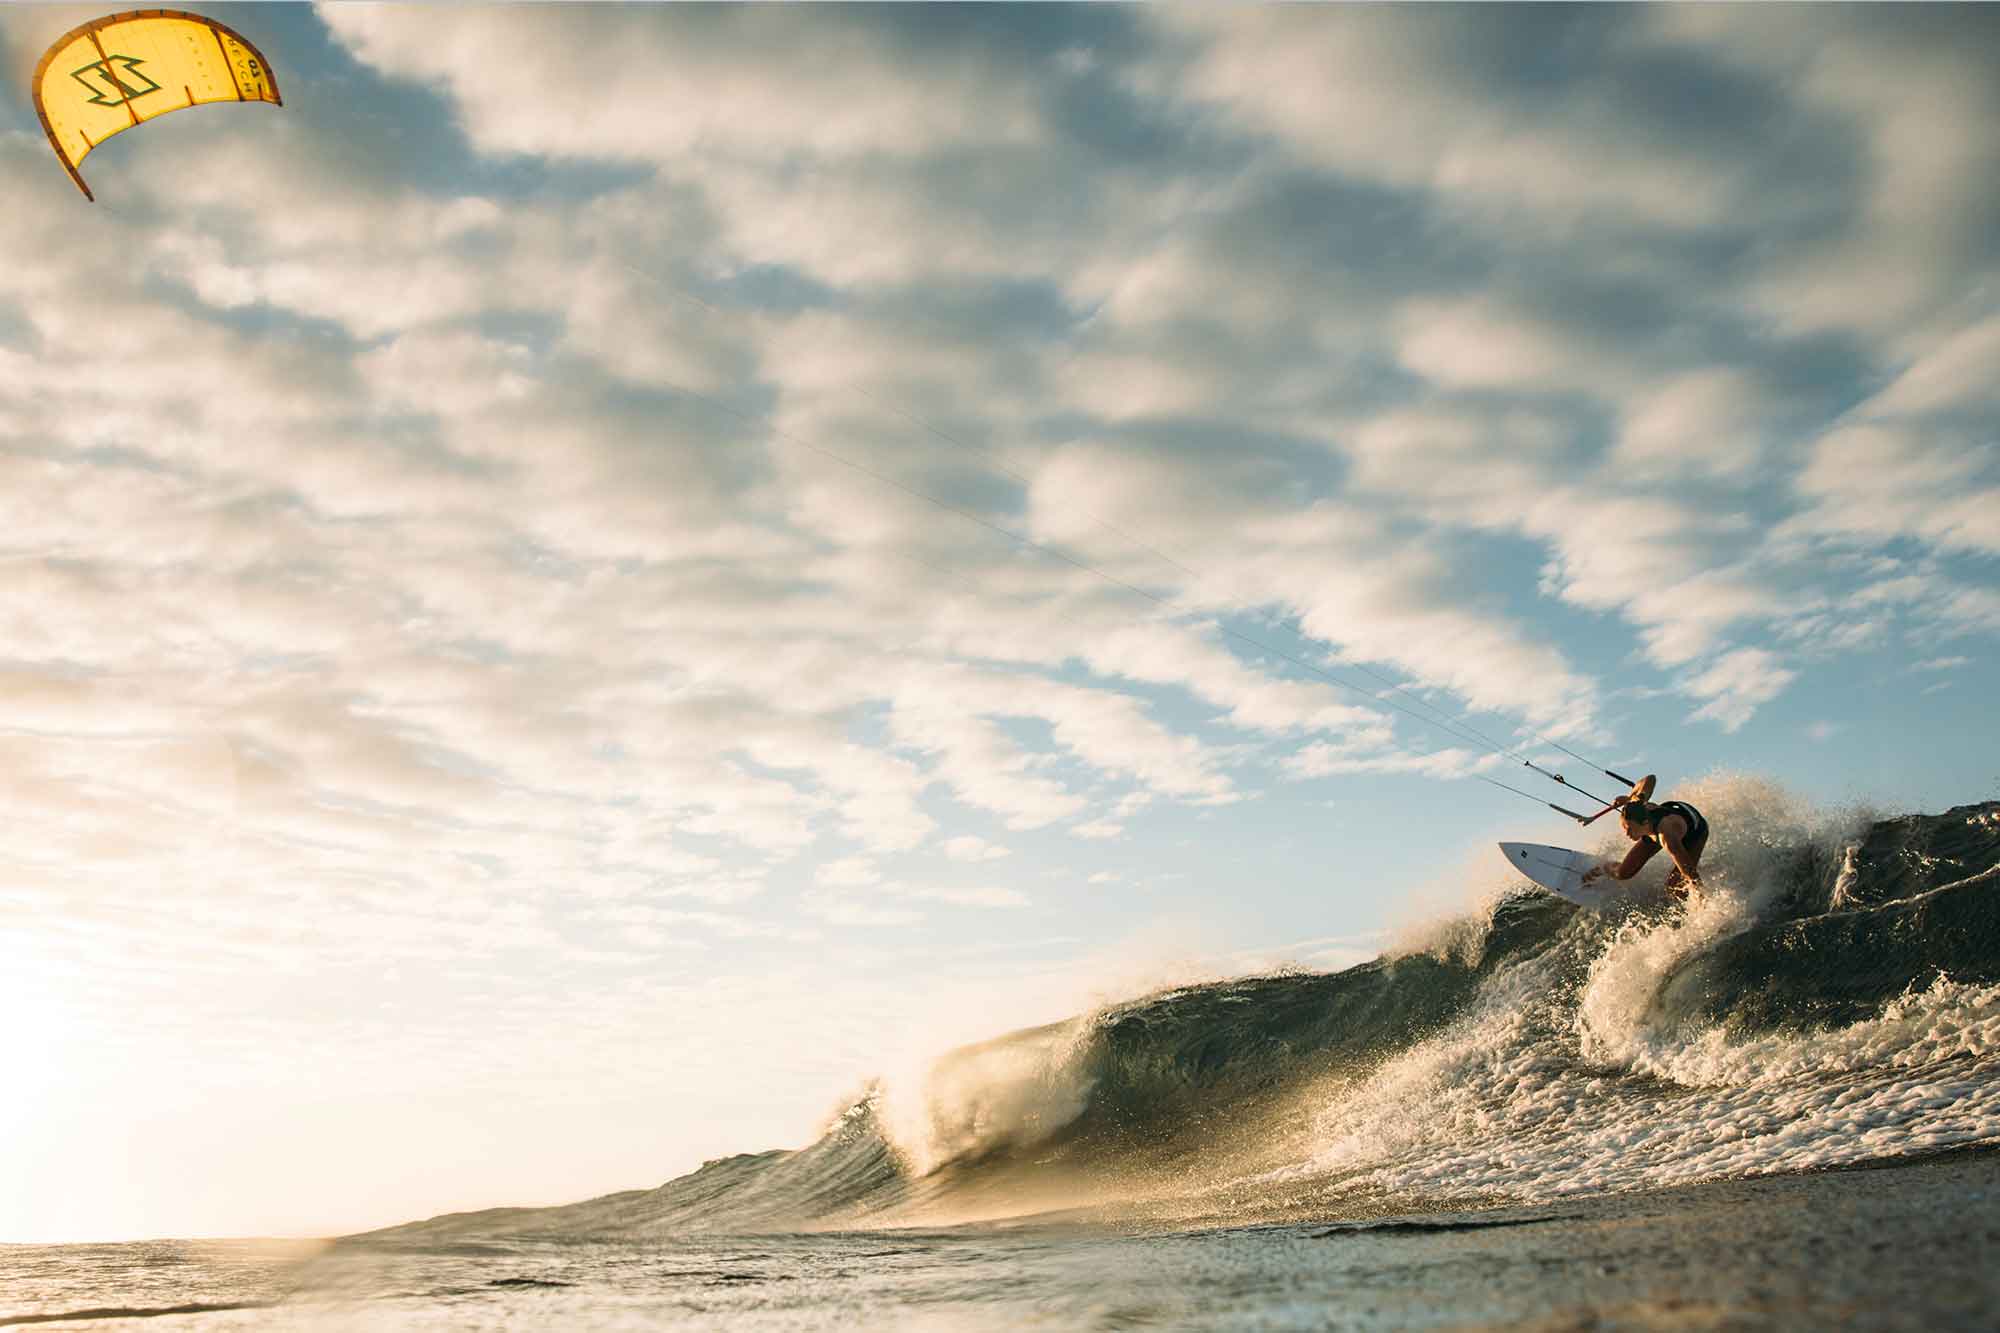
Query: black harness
column 1697, row 826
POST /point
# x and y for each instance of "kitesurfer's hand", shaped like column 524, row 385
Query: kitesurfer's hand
column 1595, row 872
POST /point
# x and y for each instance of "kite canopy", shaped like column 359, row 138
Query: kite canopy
column 124, row 69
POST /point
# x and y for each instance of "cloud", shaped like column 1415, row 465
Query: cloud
column 1736, row 684
column 717, row 82
column 1331, row 565
column 1954, row 376
column 989, row 896
column 969, row 848
column 1535, row 119
column 1971, row 610
column 1476, row 345
column 866, row 899
column 1320, row 760
column 1708, row 421
column 840, row 908
column 1879, row 482
column 847, row 872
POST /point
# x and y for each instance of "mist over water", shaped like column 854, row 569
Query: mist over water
column 1833, row 998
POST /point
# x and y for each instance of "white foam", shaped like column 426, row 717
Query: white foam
column 1486, row 1109
column 1562, row 1080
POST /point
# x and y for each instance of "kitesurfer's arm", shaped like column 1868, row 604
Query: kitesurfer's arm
column 1642, row 852
column 1671, row 829
column 1642, row 790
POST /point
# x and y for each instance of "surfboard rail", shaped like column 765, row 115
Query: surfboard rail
column 1560, row 870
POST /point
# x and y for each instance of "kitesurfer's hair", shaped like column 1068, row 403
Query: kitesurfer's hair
column 1639, row 812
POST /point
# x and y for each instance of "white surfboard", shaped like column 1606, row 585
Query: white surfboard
column 1560, row 871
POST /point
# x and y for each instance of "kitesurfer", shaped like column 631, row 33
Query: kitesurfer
column 1674, row 825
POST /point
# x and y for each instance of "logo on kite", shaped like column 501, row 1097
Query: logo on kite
column 106, row 86
column 188, row 59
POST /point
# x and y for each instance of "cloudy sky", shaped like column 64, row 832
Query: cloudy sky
column 603, row 574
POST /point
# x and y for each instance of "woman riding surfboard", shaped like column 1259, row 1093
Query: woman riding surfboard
column 1674, row 825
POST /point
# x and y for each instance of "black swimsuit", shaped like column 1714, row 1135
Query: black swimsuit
column 1697, row 826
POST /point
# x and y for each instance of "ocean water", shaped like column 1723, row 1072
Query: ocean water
column 1916, row 1248
column 1526, row 1114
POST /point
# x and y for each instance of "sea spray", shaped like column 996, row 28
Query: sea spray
column 986, row 1098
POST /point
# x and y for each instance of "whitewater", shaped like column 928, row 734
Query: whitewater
column 1511, row 1084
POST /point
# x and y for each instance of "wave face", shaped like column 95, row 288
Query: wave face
column 1834, row 999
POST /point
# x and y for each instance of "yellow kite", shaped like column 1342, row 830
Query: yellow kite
column 123, row 69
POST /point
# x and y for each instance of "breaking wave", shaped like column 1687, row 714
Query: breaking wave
column 1834, row 999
